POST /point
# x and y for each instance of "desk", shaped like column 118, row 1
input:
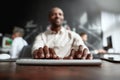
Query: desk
column 107, row 71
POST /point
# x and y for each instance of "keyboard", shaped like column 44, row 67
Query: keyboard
column 111, row 57
column 93, row 62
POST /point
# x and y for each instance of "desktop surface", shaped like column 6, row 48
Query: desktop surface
column 8, row 60
column 12, row 71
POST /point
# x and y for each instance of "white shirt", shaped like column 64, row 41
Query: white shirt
column 62, row 42
column 17, row 45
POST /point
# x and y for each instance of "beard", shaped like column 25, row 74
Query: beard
column 57, row 23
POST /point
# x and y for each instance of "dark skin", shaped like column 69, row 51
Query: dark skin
column 49, row 53
column 45, row 53
column 56, row 18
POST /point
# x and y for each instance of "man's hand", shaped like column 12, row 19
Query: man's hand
column 49, row 53
column 45, row 53
column 81, row 53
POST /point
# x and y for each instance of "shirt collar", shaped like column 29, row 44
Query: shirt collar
column 53, row 32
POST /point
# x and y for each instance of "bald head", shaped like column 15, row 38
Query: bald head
column 56, row 17
column 84, row 36
column 54, row 9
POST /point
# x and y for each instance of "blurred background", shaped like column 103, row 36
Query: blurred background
column 100, row 19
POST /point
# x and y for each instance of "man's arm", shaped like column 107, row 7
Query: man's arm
column 41, row 51
column 78, row 41
column 38, row 43
column 13, row 50
column 45, row 53
column 79, row 49
column 81, row 53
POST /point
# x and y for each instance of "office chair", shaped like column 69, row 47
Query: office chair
column 26, row 52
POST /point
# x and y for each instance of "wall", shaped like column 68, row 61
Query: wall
column 111, row 27
column 20, row 12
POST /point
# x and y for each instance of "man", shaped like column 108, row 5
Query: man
column 18, row 42
column 58, row 42
column 84, row 37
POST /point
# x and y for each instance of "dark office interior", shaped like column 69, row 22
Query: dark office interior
column 81, row 16
column 100, row 19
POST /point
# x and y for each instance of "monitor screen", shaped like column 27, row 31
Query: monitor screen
column 6, row 42
column 109, row 42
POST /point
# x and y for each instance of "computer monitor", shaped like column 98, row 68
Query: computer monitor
column 0, row 39
column 6, row 42
column 109, row 42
